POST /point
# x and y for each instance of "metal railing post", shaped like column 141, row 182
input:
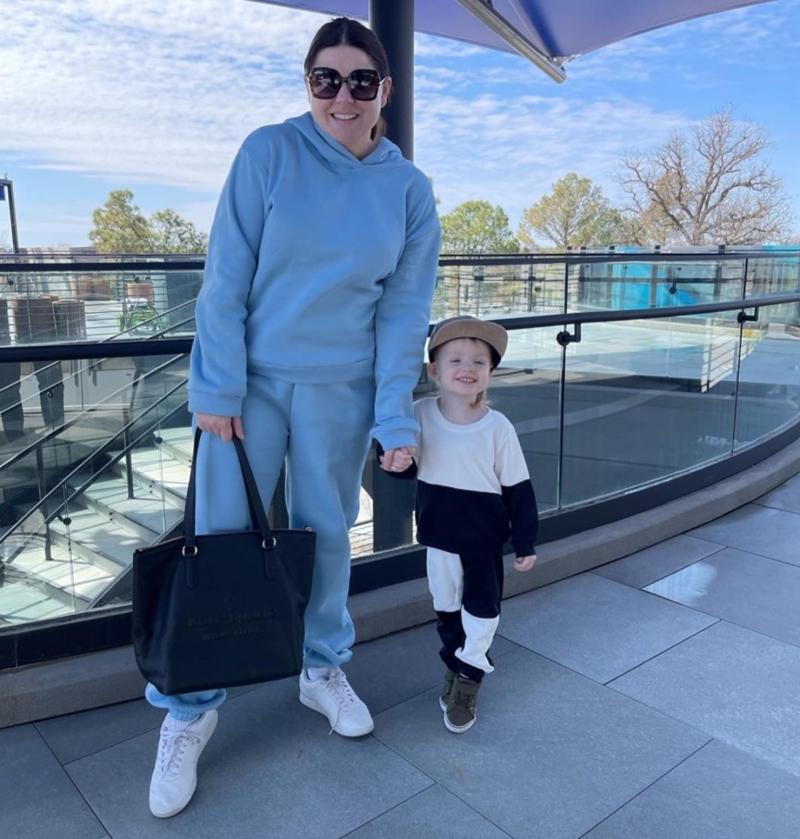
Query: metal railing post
column 126, row 443
column 531, row 280
column 654, row 281
column 42, row 489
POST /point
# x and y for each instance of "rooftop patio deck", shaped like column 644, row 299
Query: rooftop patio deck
column 654, row 697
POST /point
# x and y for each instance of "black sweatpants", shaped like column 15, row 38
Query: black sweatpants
column 467, row 590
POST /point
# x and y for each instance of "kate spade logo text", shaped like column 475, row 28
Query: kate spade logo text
column 228, row 618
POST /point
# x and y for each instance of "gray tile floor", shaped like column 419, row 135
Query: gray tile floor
column 654, row 698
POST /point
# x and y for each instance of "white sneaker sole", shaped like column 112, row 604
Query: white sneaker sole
column 315, row 706
column 458, row 729
column 180, row 808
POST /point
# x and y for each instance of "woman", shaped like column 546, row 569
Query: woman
column 310, row 328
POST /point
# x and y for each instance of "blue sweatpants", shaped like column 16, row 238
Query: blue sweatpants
column 321, row 431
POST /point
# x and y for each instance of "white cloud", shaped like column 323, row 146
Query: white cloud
column 731, row 38
column 428, row 46
column 163, row 93
column 511, row 152
column 149, row 90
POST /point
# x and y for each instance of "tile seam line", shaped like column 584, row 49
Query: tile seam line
column 393, row 807
column 411, row 763
column 721, row 620
column 666, row 650
column 715, row 620
column 756, row 553
column 684, row 722
column 756, row 503
column 156, row 727
column 738, row 626
column 658, row 579
column 551, row 660
column 644, row 789
column 684, row 605
column 609, row 686
column 608, row 580
column 590, row 678
column 760, row 503
column 443, row 786
column 71, row 780
column 690, row 533
column 133, row 736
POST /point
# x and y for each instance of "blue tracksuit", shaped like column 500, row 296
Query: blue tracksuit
column 310, row 325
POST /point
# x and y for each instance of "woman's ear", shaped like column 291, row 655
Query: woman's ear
column 386, row 89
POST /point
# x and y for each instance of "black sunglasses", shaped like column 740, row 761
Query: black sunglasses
column 362, row 84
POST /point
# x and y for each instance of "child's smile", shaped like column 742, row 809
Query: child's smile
column 463, row 367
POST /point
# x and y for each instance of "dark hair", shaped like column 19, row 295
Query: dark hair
column 345, row 30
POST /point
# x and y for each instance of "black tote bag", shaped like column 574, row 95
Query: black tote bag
column 222, row 609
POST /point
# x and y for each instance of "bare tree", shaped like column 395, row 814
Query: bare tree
column 710, row 187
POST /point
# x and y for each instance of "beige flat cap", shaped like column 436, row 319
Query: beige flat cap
column 466, row 326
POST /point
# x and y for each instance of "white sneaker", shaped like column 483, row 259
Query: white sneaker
column 174, row 777
column 334, row 698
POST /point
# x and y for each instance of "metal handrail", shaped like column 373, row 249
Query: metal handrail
column 64, row 481
column 54, row 432
column 578, row 258
column 611, row 315
column 139, row 262
column 112, row 338
column 147, row 347
column 134, row 347
column 114, row 264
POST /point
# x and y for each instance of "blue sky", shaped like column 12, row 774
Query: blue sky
column 156, row 97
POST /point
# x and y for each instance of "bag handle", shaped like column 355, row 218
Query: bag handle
column 258, row 515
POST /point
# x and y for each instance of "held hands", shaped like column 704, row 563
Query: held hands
column 524, row 563
column 398, row 460
column 223, row 427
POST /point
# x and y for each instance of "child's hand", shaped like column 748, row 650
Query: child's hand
column 524, row 563
column 398, row 460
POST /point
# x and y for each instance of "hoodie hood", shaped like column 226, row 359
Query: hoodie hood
column 339, row 156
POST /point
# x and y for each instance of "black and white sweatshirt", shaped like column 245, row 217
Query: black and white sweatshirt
column 473, row 487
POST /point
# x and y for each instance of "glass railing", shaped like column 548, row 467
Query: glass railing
column 622, row 372
column 80, row 495
column 493, row 286
column 96, row 299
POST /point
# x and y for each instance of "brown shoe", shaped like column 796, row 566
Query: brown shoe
column 459, row 716
column 449, row 678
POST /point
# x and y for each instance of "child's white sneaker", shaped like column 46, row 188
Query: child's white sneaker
column 334, row 698
column 174, row 777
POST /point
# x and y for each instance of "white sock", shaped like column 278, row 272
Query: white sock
column 315, row 673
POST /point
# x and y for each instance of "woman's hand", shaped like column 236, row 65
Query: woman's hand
column 524, row 563
column 223, row 427
column 398, row 460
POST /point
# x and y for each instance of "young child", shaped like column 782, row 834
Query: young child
column 473, row 493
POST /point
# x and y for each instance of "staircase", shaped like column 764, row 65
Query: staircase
column 91, row 544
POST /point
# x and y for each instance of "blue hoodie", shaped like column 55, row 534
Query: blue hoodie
column 320, row 268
